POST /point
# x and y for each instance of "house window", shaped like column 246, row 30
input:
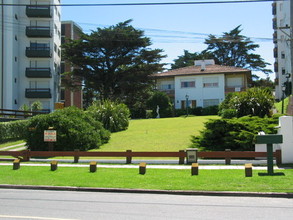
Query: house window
column 210, row 82
column 166, row 87
column 188, row 84
column 191, row 104
column 210, row 102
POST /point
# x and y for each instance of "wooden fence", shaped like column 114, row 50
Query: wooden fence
column 25, row 155
column 18, row 114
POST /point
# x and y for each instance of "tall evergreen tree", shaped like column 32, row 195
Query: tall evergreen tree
column 187, row 59
column 234, row 49
column 115, row 61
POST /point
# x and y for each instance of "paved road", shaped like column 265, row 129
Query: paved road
column 56, row 205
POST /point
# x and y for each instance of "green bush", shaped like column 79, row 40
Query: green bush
column 228, row 113
column 255, row 102
column 210, row 110
column 114, row 116
column 14, row 130
column 75, row 130
column 162, row 100
column 234, row 134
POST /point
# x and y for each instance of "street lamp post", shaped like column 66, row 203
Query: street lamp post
column 187, row 96
column 283, row 97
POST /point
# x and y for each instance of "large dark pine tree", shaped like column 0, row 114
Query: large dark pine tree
column 115, row 62
column 234, row 49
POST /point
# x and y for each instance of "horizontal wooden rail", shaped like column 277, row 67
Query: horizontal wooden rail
column 227, row 155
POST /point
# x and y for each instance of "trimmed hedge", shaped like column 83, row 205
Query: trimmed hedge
column 234, row 134
column 14, row 130
column 75, row 130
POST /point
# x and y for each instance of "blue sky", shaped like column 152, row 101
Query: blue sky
column 175, row 28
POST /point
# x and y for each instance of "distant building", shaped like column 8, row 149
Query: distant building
column 30, row 54
column 202, row 85
column 70, row 97
column 282, row 37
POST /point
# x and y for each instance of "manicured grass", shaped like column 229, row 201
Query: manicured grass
column 278, row 105
column 11, row 143
column 165, row 179
column 165, row 134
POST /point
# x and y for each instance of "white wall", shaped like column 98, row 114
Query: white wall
column 199, row 93
column 286, row 129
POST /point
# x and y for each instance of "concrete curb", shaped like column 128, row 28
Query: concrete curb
column 150, row 191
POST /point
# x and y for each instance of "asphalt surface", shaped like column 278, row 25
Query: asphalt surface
column 56, row 205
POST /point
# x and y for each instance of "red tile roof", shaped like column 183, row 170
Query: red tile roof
column 196, row 70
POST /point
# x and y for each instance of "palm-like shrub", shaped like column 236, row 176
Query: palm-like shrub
column 114, row 116
column 255, row 102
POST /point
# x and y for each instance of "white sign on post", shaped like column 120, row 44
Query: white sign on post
column 50, row 135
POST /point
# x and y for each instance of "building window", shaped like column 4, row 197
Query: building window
column 210, row 102
column 62, row 94
column 15, row 59
column 188, row 84
column 283, row 71
column 15, row 37
column 283, row 55
column 16, row 17
column 210, row 82
column 167, row 87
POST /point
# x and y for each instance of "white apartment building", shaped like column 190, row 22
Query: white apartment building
column 30, row 53
column 282, row 25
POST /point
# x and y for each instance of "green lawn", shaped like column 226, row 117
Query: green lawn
column 165, row 134
column 278, row 105
column 165, row 179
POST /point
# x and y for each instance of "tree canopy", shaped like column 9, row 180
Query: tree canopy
column 115, row 62
column 230, row 49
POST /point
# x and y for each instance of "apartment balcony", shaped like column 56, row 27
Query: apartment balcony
column 38, row 52
column 275, row 24
column 276, row 67
column 38, row 93
column 275, row 37
column 38, row 31
column 234, row 89
column 32, row 72
column 274, row 8
column 276, row 52
column 38, row 11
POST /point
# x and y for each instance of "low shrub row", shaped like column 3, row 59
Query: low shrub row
column 235, row 134
column 14, row 130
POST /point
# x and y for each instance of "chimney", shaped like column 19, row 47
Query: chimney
column 203, row 63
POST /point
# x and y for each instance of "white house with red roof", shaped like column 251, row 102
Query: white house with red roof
column 202, row 85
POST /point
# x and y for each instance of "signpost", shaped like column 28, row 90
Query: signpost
column 269, row 140
column 50, row 136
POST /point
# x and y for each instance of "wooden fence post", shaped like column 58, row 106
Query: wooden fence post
column 76, row 157
column 128, row 158
column 228, row 157
column 194, row 169
column 278, row 157
column 181, row 159
column 248, row 170
column 93, row 166
column 26, row 156
column 16, row 164
column 142, row 168
column 54, row 165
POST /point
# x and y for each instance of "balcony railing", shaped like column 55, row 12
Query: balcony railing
column 38, row 31
column 38, row 93
column 38, row 52
column 32, row 72
column 234, row 89
column 40, row 11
